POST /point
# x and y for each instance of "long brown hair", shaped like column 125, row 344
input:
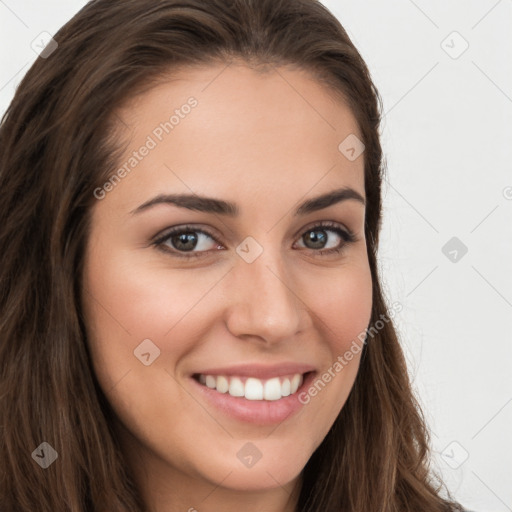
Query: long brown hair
column 56, row 147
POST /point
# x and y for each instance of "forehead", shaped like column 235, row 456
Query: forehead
column 229, row 127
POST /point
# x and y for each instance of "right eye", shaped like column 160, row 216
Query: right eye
column 183, row 241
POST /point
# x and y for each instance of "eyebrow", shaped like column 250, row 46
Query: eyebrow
column 212, row 205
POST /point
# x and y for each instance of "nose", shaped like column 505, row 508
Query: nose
column 263, row 302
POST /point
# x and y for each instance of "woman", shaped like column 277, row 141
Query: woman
column 191, row 313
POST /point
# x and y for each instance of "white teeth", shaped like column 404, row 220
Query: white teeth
column 295, row 383
column 236, row 387
column 254, row 389
column 285, row 387
column 272, row 389
column 222, row 384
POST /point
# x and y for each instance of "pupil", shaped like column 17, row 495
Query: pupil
column 184, row 238
column 318, row 241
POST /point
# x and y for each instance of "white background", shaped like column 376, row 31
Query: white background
column 447, row 137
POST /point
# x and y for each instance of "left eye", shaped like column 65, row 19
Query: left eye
column 188, row 241
column 317, row 236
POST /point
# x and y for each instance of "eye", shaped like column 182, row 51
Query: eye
column 317, row 238
column 184, row 239
column 190, row 241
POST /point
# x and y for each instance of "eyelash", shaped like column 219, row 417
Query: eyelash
column 347, row 236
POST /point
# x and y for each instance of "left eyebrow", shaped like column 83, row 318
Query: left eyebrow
column 326, row 200
column 212, row 205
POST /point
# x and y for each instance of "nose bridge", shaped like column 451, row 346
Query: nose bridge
column 265, row 303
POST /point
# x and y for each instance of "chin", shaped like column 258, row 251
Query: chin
column 264, row 477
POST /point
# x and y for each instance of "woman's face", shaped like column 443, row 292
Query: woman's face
column 249, row 299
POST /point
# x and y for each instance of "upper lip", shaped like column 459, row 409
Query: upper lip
column 259, row 370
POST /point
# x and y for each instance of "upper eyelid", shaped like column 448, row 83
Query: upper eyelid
column 182, row 229
column 326, row 224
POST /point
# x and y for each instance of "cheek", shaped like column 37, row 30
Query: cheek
column 134, row 300
column 344, row 305
column 341, row 304
column 127, row 302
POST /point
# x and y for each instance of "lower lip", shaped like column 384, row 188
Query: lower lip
column 260, row 412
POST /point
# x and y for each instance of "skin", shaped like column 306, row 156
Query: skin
column 255, row 140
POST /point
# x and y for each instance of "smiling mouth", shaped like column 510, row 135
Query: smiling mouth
column 252, row 388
